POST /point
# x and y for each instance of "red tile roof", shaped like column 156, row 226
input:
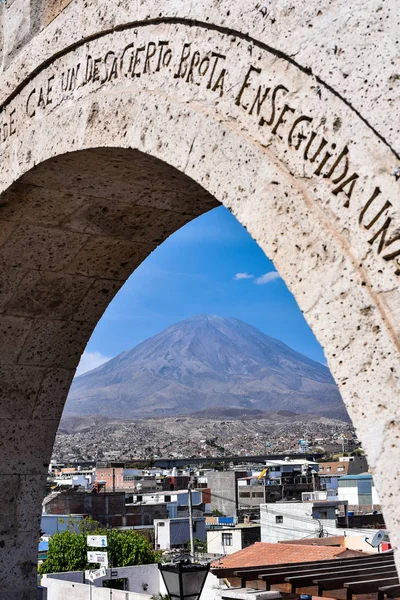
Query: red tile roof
column 262, row 554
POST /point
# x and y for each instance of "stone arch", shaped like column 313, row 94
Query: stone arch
column 113, row 140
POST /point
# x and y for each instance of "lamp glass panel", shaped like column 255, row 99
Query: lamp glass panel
column 171, row 580
column 193, row 581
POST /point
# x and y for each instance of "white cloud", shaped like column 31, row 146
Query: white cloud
column 89, row 361
column 267, row 278
column 243, row 276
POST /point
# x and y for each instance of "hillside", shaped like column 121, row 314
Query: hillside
column 204, row 363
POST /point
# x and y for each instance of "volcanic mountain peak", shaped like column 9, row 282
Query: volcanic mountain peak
column 206, row 362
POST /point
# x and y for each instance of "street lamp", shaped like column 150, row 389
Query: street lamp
column 184, row 580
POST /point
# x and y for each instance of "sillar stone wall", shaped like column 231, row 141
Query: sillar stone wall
column 122, row 121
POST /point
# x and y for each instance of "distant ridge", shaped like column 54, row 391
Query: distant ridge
column 207, row 363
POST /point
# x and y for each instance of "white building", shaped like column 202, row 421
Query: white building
column 176, row 501
column 70, row 477
column 284, row 521
column 358, row 490
column 228, row 540
column 277, row 469
column 174, row 533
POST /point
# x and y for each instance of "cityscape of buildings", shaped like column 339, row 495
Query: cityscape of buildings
column 331, row 503
column 184, row 436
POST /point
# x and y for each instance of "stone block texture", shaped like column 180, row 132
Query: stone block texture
column 120, row 122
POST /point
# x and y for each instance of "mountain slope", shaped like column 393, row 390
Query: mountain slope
column 201, row 363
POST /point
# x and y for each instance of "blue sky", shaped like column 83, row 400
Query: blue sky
column 212, row 266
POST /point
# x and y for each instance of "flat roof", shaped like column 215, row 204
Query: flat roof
column 360, row 476
column 213, row 527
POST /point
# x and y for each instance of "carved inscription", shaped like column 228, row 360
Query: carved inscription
column 8, row 124
column 268, row 103
column 332, row 163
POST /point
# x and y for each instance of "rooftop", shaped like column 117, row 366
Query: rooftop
column 334, row 468
column 291, row 461
column 262, row 554
column 360, row 476
column 233, row 527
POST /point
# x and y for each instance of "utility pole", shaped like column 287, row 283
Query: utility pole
column 190, row 521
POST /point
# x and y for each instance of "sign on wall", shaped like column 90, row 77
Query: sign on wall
column 98, row 557
column 96, row 574
column 97, row 541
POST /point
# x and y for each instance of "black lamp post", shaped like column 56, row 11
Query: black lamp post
column 184, row 580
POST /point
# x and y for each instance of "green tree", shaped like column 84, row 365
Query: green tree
column 68, row 549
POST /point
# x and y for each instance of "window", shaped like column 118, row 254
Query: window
column 244, row 494
column 167, row 498
column 258, row 494
column 139, row 498
column 227, row 539
column 279, row 519
column 161, row 524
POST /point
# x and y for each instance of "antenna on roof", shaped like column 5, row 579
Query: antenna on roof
column 377, row 539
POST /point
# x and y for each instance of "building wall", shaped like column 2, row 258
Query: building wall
column 215, row 545
column 107, row 508
column 112, row 476
column 138, row 577
column 349, row 493
column 358, row 491
column 358, row 465
column 250, row 495
column 298, row 523
column 52, row 523
column 170, row 533
column 224, row 491
column 144, row 514
column 66, row 590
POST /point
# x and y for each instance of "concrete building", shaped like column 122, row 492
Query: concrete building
column 329, row 473
column 280, row 469
column 176, row 502
column 227, row 540
column 280, row 480
column 251, row 491
column 285, row 521
column 224, row 490
column 174, row 533
column 121, row 478
column 108, row 508
column 358, row 491
column 72, row 477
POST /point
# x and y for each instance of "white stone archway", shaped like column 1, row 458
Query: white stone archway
column 120, row 124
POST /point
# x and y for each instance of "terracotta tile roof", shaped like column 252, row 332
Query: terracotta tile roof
column 262, row 554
